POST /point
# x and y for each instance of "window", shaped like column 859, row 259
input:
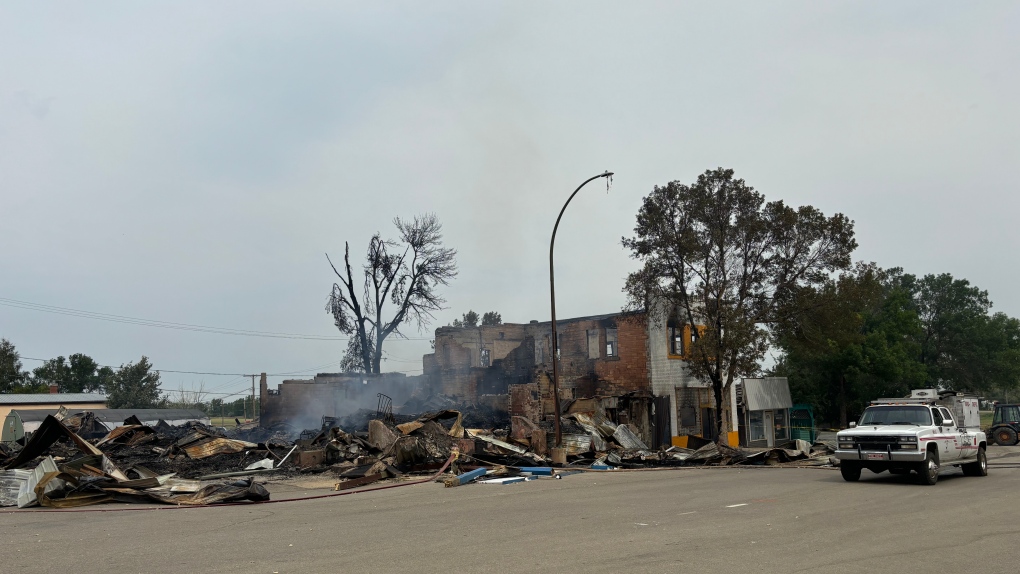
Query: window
column 690, row 402
column 938, row 417
column 593, row 344
column 782, row 431
column 676, row 337
column 947, row 419
column 877, row 416
column 611, row 349
column 484, row 358
column 1006, row 415
column 756, row 428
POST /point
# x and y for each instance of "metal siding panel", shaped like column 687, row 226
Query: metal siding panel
column 767, row 394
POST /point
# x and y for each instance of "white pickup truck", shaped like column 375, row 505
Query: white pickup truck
column 921, row 433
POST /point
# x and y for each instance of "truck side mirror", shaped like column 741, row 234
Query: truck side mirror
column 853, row 424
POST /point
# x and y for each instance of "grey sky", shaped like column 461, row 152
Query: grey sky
column 192, row 162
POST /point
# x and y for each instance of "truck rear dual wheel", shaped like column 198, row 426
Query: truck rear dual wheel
column 979, row 467
column 928, row 471
column 1005, row 436
column 851, row 471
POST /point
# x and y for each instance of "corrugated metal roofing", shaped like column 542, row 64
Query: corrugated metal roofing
column 117, row 415
column 51, row 398
column 767, row 394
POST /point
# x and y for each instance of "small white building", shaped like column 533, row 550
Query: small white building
column 764, row 410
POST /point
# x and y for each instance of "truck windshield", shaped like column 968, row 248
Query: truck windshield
column 896, row 416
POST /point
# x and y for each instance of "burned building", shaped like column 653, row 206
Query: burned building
column 632, row 365
column 303, row 402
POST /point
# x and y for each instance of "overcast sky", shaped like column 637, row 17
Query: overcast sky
column 192, row 162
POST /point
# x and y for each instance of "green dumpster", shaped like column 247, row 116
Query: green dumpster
column 802, row 422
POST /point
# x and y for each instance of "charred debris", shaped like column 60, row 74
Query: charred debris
column 196, row 464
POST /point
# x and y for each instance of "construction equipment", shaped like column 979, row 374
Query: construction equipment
column 1005, row 425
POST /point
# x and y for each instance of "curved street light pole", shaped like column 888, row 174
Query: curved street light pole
column 552, row 297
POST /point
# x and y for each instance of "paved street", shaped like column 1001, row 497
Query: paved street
column 723, row 520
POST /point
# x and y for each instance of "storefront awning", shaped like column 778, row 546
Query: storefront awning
column 767, row 394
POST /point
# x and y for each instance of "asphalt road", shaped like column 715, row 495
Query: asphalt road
column 725, row 520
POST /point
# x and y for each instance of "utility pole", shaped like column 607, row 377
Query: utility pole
column 552, row 297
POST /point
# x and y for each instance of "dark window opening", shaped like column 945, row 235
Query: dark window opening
column 484, row 359
column 611, row 345
column 676, row 337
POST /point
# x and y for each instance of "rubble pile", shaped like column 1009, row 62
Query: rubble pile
column 69, row 471
column 73, row 460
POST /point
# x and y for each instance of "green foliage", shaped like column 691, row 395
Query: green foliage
column 963, row 347
column 12, row 378
column 715, row 255
column 470, row 319
column 875, row 333
column 78, row 374
column 238, row 408
column 134, row 386
column 849, row 340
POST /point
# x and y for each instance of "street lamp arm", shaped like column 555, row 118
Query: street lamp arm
column 552, row 297
column 558, row 218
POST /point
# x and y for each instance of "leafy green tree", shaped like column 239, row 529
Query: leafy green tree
column 12, row 378
column 724, row 262
column 997, row 362
column 77, row 374
column 52, row 372
column 134, row 386
column 849, row 340
column 469, row 319
column 963, row 346
column 492, row 318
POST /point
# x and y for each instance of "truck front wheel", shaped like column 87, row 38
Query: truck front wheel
column 979, row 467
column 851, row 471
column 928, row 471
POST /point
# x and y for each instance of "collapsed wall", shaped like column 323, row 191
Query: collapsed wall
column 303, row 403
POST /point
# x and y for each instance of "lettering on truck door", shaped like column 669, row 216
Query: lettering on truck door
column 939, row 438
column 963, row 438
column 952, row 434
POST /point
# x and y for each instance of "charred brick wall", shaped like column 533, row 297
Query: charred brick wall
column 518, row 353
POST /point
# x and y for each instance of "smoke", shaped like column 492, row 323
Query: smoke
column 303, row 404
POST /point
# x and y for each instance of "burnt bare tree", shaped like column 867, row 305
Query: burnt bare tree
column 722, row 263
column 399, row 287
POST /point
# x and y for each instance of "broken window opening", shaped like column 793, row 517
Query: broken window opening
column 676, row 337
column 484, row 358
column 611, row 345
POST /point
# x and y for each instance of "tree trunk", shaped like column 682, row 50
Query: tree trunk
column 717, row 388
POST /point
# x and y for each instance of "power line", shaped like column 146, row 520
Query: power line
column 161, row 324
column 170, row 325
column 310, row 370
column 157, row 370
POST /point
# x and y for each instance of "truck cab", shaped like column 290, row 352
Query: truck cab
column 1005, row 424
column 920, row 434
